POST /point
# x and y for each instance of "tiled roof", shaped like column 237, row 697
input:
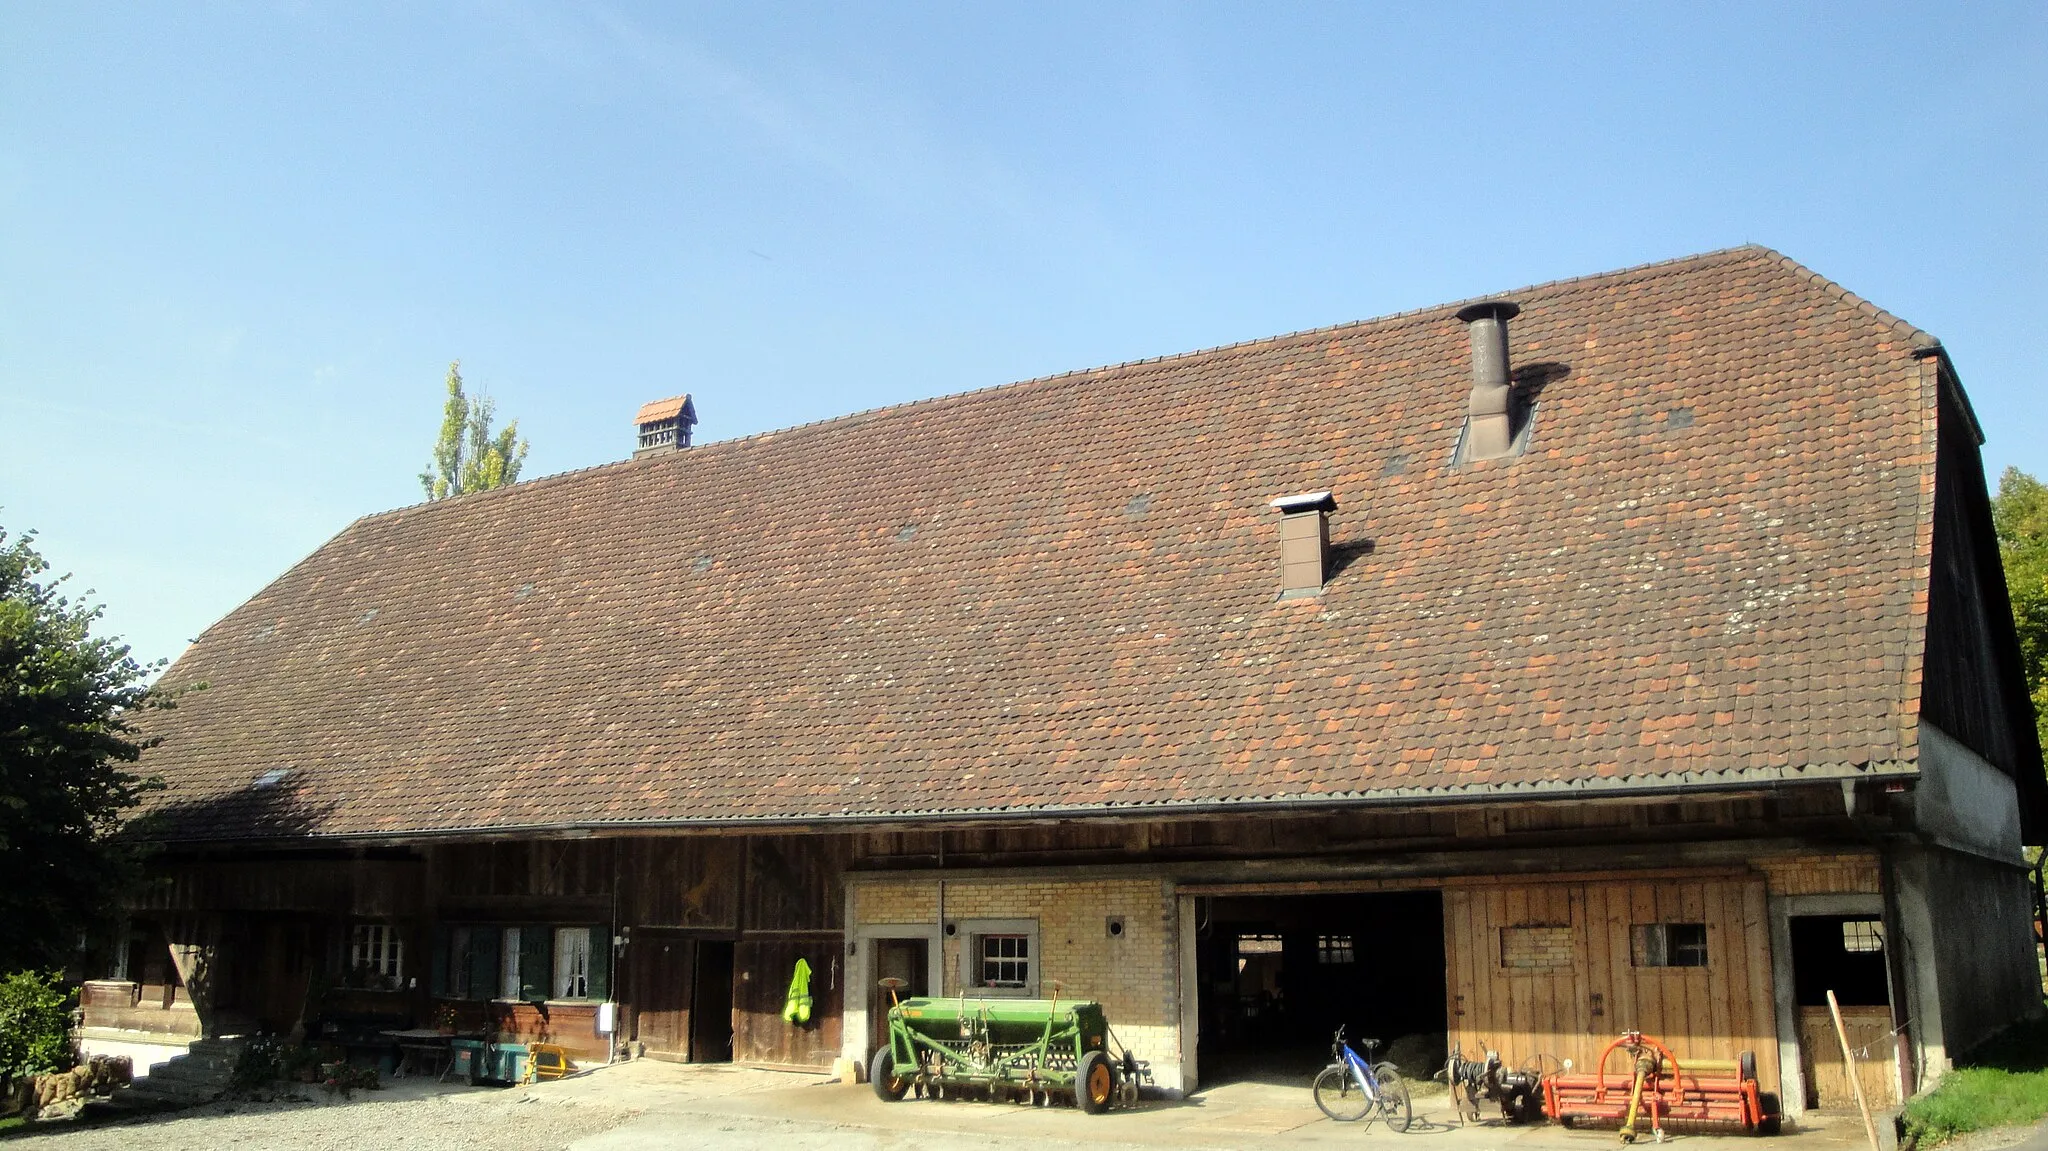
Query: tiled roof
column 1060, row 595
column 667, row 409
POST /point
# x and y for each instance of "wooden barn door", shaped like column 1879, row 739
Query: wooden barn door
column 1553, row 971
column 1517, row 980
column 1688, row 961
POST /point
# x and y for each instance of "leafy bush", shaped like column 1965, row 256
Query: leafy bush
column 35, row 1025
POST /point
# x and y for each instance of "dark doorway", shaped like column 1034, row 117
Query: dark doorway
column 1278, row 975
column 905, row 959
column 1844, row 954
column 711, row 1003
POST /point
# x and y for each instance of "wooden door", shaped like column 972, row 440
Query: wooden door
column 662, row 962
column 1843, row 954
column 905, row 959
column 761, row 977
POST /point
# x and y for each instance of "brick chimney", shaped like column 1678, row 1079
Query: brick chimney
column 664, row 426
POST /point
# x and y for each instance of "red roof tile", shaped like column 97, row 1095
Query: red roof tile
column 1060, row 594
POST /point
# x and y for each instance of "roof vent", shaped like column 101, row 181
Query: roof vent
column 1304, row 542
column 1491, row 424
column 664, row 426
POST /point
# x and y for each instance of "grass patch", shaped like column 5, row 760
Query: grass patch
column 2002, row 1084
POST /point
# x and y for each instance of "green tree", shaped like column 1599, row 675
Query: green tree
column 469, row 456
column 66, row 699
column 2020, row 513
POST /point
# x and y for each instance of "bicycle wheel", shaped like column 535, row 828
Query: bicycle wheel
column 1339, row 1097
column 1394, row 1098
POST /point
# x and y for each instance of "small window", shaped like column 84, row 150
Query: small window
column 1250, row 945
column 1005, row 960
column 1670, row 944
column 1862, row 935
column 998, row 956
column 508, row 967
column 1335, row 949
column 572, row 963
column 377, row 957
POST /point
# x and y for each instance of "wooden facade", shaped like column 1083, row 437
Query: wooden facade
column 1541, row 934
column 1567, row 1002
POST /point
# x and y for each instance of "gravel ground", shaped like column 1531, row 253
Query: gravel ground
column 396, row 1118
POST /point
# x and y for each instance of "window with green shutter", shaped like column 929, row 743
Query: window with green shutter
column 482, row 965
column 601, row 961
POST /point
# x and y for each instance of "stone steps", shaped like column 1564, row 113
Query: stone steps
column 201, row 1075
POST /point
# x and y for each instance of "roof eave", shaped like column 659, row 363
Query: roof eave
column 1681, row 785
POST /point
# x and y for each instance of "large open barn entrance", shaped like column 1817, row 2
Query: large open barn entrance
column 1277, row 975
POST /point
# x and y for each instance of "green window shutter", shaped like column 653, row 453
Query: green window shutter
column 601, row 961
column 483, row 962
column 536, row 962
column 438, row 973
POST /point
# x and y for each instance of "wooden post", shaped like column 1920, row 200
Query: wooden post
column 1849, row 1065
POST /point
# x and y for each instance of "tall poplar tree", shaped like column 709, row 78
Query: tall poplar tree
column 469, row 456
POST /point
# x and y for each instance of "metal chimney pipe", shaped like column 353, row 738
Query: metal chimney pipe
column 1487, row 431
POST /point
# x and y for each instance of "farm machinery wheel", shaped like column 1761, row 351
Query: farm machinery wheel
column 1094, row 1083
column 882, row 1076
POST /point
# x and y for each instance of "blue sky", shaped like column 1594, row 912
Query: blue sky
column 239, row 243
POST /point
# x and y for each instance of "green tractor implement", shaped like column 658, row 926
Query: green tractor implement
column 1030, row 1050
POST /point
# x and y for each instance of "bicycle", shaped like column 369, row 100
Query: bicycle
column 1350, row 1088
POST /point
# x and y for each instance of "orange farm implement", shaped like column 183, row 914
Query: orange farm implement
column 1650, row 1083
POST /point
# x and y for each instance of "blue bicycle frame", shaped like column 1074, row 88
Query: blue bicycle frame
column 1361, row 1072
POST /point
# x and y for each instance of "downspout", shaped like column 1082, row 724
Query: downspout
column 940, row 990
column 618, row 950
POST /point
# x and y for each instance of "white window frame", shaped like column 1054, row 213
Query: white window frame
column 508, row 964
column 377, row 950
column 572, row 963
column 970, row 933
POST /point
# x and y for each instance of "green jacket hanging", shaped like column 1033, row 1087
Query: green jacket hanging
column 797, row 1008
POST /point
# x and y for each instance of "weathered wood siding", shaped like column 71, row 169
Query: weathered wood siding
column 793, row 883
column 683, row 881
column 366, row 888
column 1569, row 1005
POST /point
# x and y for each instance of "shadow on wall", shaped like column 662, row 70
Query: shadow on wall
column 269, row 808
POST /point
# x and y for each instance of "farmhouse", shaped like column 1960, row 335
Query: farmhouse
column 1625, row 652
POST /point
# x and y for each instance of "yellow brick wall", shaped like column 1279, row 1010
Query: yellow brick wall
column 1537, row 948
column 1134, row 976
column 1848, row 872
